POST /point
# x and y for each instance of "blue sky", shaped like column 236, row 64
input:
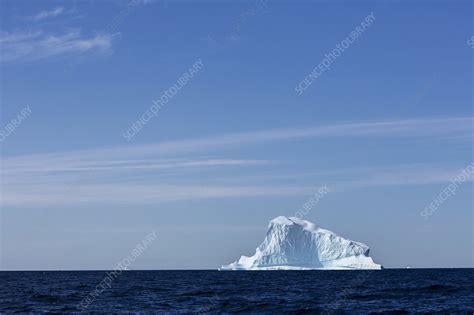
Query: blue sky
column 386, row 128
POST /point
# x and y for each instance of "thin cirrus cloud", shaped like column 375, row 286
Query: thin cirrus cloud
column 46, row 14
column 113, row 182
column 126, row 194
column 419, row 128
column 75, row 165
column 20, row 46
column 401, row 175
column 442, row 128
column 157, row 172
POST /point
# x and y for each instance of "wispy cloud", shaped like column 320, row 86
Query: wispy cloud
column 16, row 47
column 400, row 175
column 157, row 172
column 145, row 2
column 47, row 14
column 70, row 180
column 78, row 165
column 455, row 128
column 127, row 194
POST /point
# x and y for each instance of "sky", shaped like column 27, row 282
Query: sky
column 228, row 137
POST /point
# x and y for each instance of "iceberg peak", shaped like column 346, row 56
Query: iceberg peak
column 282, row 220
column 294, row 243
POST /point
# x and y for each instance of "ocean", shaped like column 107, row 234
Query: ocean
column 209, row 291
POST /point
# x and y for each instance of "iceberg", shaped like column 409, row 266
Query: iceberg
column 295, row 244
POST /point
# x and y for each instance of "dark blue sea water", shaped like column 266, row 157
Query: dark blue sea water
column 380, row 291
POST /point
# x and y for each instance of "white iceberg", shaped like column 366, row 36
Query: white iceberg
column 296, row 244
